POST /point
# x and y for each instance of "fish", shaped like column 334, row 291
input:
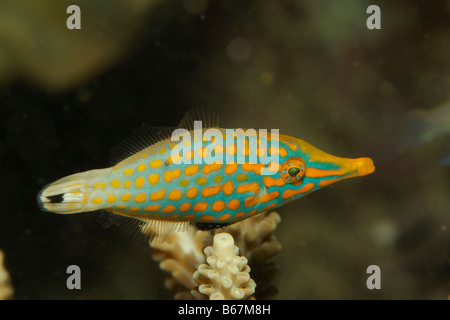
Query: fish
column 199, row 173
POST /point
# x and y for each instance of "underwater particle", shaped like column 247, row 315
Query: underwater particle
column 385, row 233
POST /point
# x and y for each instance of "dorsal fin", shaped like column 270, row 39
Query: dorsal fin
column 144, row 137
column 139, row 140
column 209, row 119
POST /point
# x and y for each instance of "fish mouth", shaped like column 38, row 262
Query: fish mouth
column 364, row 166
column 358, row 167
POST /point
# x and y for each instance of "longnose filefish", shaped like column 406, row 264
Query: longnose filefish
column 161, row 184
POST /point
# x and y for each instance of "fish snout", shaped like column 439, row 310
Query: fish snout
column 364, row 166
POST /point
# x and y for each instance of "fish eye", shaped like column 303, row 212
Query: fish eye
column 293, row 170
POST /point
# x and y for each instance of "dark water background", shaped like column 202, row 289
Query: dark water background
column 311, row 69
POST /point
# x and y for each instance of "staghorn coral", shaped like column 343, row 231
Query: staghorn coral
column 182, row 254
column 256, row 241
column 6, row 290
column 226, row 275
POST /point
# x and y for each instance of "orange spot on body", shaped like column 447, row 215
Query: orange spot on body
column 200, row 206
column 140, row 198
column 240, row 214
column 274, row 166
column 111, row 198
column 183, row 183
column 207, row 217
column 128, row 171
column 270, row 206
column 293, row 192
column 191, row 170
column 153, row 178
column 292, row 146
column 189, row 155
column 255, row 167
column 274, row 151
column 246, row 149
column 270, row 182
column 139, row 182
column 121, row 206
column 269, row 196
column 233, row 204
column 241, row 177
column 201, row 181
column 97, row 200
column 218, row 206
column 168, row 209
column 170, row 175
column 252, row 213
column 126, row 197
column 192, row 192
column 224, row 217
column 228, row 188
column 249, row 202
column 115, row 183
column 250, row 187
column 152, row 208
column 175, row 195
column 134, row 208
column 141, row 167
column 210, row 191
column 155, row 164
column 231, row 150
column 202, row 152
column 231, row 168
column 127, row 184
column 189, row 217
column 218, row 149
column 184, row 207
column 261, row 151
column 100, row 185
column 174, row 158
column 158, row 195
column 208, row 168
column 283, row 152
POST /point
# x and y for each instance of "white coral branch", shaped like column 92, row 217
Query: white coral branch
column 182, row 253
column 226, row 275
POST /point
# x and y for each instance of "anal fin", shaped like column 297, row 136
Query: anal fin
column 151, row 230
column 158, row 230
